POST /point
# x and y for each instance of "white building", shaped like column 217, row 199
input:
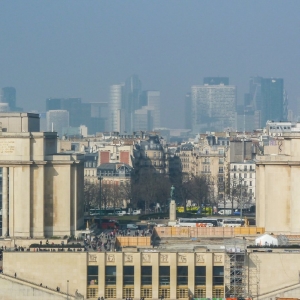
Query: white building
column 213, row 107
column 244, row 174
column 57, row 120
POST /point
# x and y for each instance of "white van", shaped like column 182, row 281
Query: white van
column 136, row 212
column 121, row 213
column 227, row 211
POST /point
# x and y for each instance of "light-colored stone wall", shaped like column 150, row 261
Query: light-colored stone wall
column 277, row 187
column 50, row 269
column 274, row 271
column 13, row 289
column 45, row 192
column 55, row 268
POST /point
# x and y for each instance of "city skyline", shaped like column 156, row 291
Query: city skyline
column 171, row 46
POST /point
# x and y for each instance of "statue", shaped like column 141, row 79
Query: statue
column 172, row 192
column 172, row 206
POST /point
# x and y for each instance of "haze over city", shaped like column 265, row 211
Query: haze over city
column 78, row 48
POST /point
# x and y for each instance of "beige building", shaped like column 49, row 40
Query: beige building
column 117, row 275
column 211, row 160
column 42, row 191
column 180, row 274
column 277, row 186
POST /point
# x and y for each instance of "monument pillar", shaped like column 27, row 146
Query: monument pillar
column 172, row 208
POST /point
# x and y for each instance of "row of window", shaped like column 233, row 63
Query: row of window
column 146, row 275
column 240, row 175
column 90, row 164
column 246, row 168
column 164, row 292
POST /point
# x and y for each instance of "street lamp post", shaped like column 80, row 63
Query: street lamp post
column 241, row 214
column 100, row 192
column 67, row 289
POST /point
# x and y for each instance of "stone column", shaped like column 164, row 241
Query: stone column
column 154, row 259
column 173, row 275
column 119, row 265
column 137, row 276
column 5, row 201
column 209, row 274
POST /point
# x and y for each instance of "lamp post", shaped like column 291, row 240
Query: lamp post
column 241, row 214
column 100, row 191
column 67, row 289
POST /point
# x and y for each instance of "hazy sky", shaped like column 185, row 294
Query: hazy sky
column 69, row 48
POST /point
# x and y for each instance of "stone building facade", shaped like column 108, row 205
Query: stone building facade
column 277, row 186
column 42, row 191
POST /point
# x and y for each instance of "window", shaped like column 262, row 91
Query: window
column 250, row 183
column 110, row 275
column 221, row 160
column 200, row 275
column 221, row 151
column 182, row 275
column 146, row 275
column 234, row 175
column 164, row 275
column 128, row 275
column 250, row 175
column 218, row 275
column 245, row 175
column 220, row 169
column 92, row 275
column 245, row 168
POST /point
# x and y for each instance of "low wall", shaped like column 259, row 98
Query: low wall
column 207, row 231
column 124, row 241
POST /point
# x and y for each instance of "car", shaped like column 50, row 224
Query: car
column 136, row 212
column 152, row 223
column 132, row 226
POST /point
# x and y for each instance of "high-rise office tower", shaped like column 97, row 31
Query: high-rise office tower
column 188, row 111
column 58, row 120
column 272, row 106
column 213, row 107
column 153, row 103
column 216, row 80
column 129, row 106
column 149, row 101
column 116, row 110
column 92, row 115
column 131, row 98
column 8, row 95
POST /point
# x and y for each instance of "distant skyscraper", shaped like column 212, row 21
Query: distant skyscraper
column 8, row 95
column 116, row 110
column 130, row 108
column 92, row 115
column 272, row 106
column 213, row 107
column 131, row 99
column 216, row 80
column 153, row 102
column 57, row 120
column 188, row 111
column 54, row 103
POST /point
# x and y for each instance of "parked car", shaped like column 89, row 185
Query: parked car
column 132, row 226
column 136, row 212
column 121, row 213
